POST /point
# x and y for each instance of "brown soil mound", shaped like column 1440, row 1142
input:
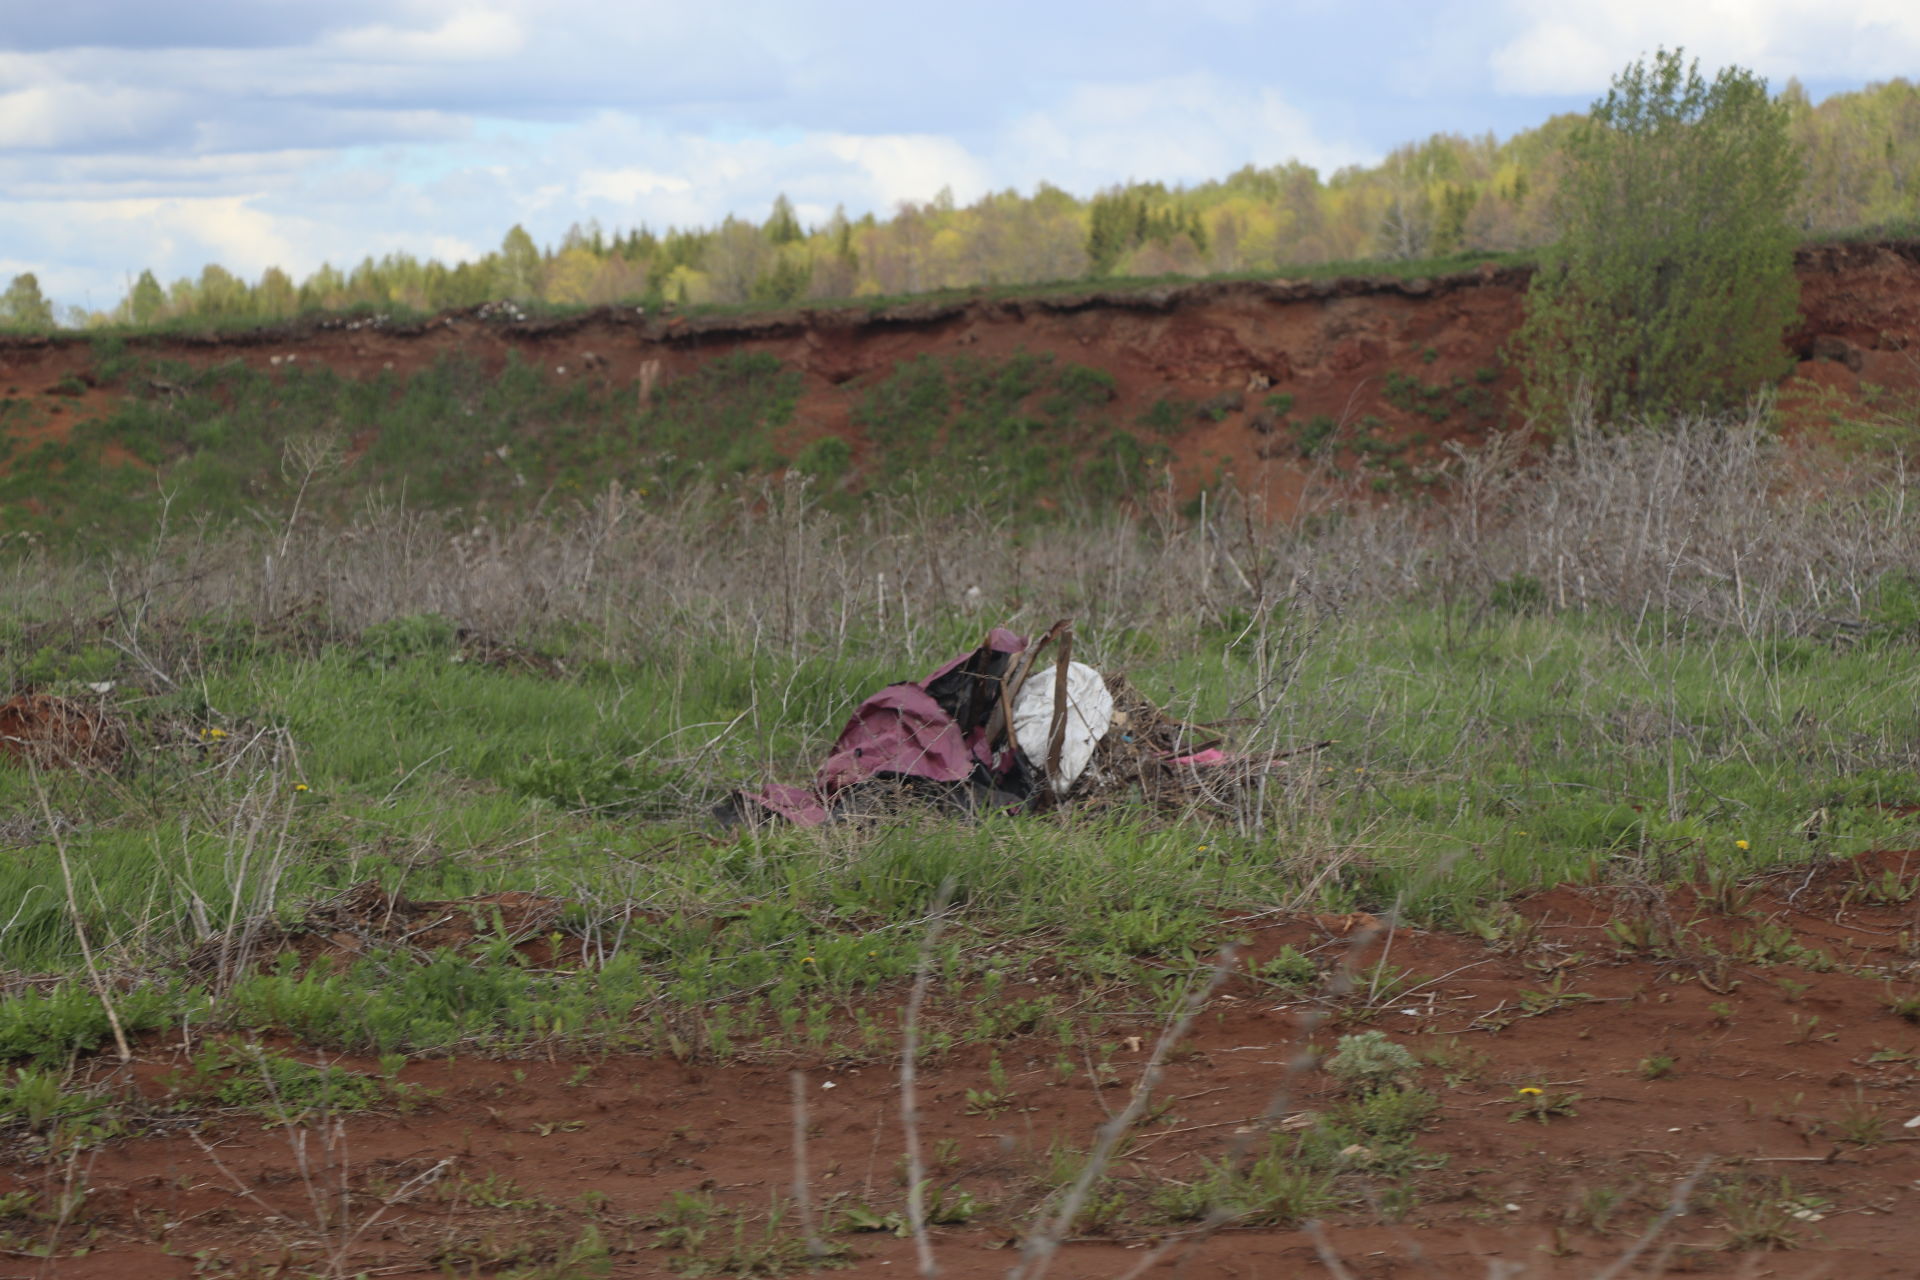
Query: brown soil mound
column 51, row 732
column 1744, row 1044
column 1422, row 356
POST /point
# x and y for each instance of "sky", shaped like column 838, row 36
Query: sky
column 257, row 133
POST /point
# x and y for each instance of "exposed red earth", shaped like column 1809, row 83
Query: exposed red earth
column 1691, row 1046
column 45, row 731
column 1330, row 344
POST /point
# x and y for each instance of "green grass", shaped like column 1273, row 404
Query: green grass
column 1468, row 764
column 1024, row 431
column 228, row 442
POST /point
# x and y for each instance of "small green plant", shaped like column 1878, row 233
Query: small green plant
column 411, row 636
column 1393, row 1115
column 1314, row 436
column 1808, row 1031
column 1369, row 1062
column 825, row 459
column 1904, row 1005
column 43, row 1103
column 1290, row 970
column 1860, row 1122
column 1277, row 1189
column 285, row 1089
column 1656, row 1066
column 1595, row 1208
column 1553, row 996
column 1762, row 1213
column 1889, row 888
column 994, row 1099
column 1458, row 1064
column 1541, row 1104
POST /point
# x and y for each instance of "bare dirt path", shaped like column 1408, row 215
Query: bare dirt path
column 1751, row 1039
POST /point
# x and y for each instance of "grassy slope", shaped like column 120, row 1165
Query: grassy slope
column 228, row 443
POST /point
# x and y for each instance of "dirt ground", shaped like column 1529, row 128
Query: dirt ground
column 1331, row 345
column 1724, row 1037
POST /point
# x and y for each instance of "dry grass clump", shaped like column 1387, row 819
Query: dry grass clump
column 1718, row 521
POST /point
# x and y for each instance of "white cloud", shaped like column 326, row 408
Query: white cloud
column 1563, row 49
column 276, row 134
column 629, row 185
column 902, row 167
column 1177, row 129
column 476, row 36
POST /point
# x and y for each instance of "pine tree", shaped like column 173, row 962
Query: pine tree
column 782, row 226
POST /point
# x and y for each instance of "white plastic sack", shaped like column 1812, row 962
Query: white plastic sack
column 1089, row 715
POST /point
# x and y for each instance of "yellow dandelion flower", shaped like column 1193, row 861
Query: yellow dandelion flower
column 1741, row 845
column 806, row 960
column 1530, row 1092
column 300, row 786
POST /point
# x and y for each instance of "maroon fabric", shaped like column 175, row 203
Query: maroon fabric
column 900, row 730
column 999, row 640
column 798, row 805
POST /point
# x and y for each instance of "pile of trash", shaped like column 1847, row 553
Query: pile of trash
column 999, row 728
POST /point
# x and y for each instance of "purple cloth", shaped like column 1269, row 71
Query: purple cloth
column 798, row 805
column 899, row 731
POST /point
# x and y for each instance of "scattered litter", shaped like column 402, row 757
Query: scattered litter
column 1065, row 740
column 1513, row 1208
column 826, row 1084
column 1912, row 1124
column 998, row 728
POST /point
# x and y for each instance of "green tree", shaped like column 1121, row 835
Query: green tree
column 1672, row 281
column 23, row 306
column 783, row 227
column 518, row 272
column 147, row 299
column 274, row 297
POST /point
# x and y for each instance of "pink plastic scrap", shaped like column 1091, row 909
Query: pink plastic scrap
column 1211, row 758
column 902, row 731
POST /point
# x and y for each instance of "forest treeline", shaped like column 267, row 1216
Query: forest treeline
column 1444, row 196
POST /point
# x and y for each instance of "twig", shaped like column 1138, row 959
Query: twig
column 1324, row 1247
column 73, row 912
column 1682, row 1192
column 802, row 1198
column 1041, row 1246
column 909, row 1103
